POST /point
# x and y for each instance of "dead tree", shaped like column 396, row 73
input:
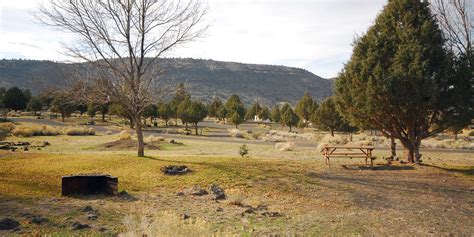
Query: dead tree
column 123, row 39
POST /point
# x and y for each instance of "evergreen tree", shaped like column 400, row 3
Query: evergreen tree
column 82, row 108
column 183, row 111
column 264, row 113
column 305, row 108
column 214, row 107
column 196, row 111
column 92, row 110
column 35, row 105
column 327, row 118
column 165, row 112
column 288, row 116
column 275, row 115
column 253, row 111
column 180, row 95
column 222, row 113
column 151, row 112
column 15, row 99
column 235, row 109
column 398, row 79
column 63, row 105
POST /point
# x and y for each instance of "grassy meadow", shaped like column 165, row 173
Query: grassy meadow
column 301, row 195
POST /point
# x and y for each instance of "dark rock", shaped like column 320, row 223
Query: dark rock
column 38, row 220
column 102, row 229
column 87, row 209
column 180, row 194
column 185, row 216
column 175, row 169
column 219, row 209
column 8, row 223
column 79, row 226
column 262, row 207
column 196, row 190
column 217, row 192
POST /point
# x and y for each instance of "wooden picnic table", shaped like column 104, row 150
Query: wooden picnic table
column 364, row 152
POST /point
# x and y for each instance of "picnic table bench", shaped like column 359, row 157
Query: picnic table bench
column 364, row 152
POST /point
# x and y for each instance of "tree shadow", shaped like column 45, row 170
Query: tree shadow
column 377, row 167
column 467, row 171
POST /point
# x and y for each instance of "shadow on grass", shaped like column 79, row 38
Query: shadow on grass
column 377, row 167
column 468, row 171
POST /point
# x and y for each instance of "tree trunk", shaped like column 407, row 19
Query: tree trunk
column 131, row 123
column 409, row 155
column 196, row 126
column 290, row 128
column 393, row 147
column 166, row 123
column 350, row 137
column 186, row 124
column 62, row 117
column 236, row 126
column 417, row 154
column 103, row 117
column 332, row 132
column 456, row 135
column 141, row 145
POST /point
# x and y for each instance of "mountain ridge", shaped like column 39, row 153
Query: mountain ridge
column 203, row 78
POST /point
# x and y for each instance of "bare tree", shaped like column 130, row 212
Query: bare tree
column 123, row 38
column 455, row 18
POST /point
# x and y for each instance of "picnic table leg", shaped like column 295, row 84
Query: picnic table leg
column 370, row 157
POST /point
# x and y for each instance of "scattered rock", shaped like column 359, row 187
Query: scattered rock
column 185, row 216
column 92, row 216
column 102, row 229
column 219, row 209
column 271, row 214
column 175, row 169
column 217, row 192
column 196, row 190
column 175, row 142
column 87, row 209
column 180, row 194
column 8, row 223
column 79, row 226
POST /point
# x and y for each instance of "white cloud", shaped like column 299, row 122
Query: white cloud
column 312, row 34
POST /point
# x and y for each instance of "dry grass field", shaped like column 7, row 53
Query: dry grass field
column 270, row 192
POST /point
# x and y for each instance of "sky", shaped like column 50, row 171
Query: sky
column 316, row 35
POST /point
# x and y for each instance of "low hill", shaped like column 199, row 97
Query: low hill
column 203, row 78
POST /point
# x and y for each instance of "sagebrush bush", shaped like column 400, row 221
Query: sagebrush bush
column 165, row 224
column 285, row 146
column 79, row 131
column 125, row 135
column 237, row 133
column 153, row 139
column 6, row 129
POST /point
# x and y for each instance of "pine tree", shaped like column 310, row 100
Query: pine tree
column 398, row 79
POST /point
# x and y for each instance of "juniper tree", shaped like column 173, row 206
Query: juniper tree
column 275, row 114
column 398, row 79
column 288, row 116
column 165, row 112
column 235, row 110
column 196, row 112
column 305, row 108
column 327, row 118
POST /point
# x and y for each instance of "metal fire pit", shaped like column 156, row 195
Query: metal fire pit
column 89, row 184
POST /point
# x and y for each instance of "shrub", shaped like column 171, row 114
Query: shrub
column 257, row 135
column 124, row 135
column 153, row 139
column 79, row 131
column 285, row 146
column 165, row 224
column 236, row 199
column 243, row 150
column 237, row 133
column 23, row 132
column 6, row 129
